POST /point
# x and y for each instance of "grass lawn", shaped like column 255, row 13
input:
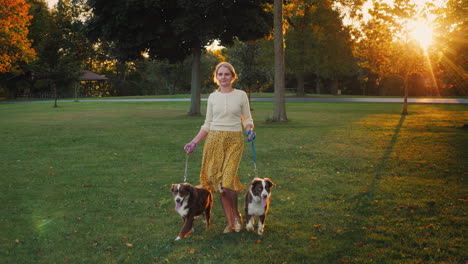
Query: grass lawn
column 88, row 182
column 205, row 95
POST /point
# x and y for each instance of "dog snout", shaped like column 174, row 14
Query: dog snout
column 178, row 200
column 264, row 196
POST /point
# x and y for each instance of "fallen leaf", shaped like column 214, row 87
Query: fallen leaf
column 129, row 245
column 191, row 251
column 313, row 237
column 317, row 227
column 360, row 243
column 313, row 244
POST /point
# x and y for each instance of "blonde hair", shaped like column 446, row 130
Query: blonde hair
column 229, row 67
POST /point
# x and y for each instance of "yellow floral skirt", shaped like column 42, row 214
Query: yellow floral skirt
column 222, row 154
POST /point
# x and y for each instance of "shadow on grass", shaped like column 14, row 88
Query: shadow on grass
column 367, row 197
column 389, row 150
column 365, row 209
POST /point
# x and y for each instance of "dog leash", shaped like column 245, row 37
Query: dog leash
column 186, row 168
column 254, row 157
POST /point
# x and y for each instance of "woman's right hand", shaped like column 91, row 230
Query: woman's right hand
column 190, row 147
column 251, row 135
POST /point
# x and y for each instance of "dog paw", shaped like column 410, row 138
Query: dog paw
column 177, row 238
column 249, row 227
column 260, row 232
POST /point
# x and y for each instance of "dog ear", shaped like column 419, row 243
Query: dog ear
column 192, row 191
column 271, row 183
column 187, row 187
column 254, row 181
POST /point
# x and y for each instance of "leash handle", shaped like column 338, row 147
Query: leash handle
column 186, row 168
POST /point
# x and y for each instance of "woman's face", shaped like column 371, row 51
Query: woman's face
column 224, row 76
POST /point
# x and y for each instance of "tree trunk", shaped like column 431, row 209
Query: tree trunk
column 300, row 86
column 279, row 114
column 54, row 88
column 371, row 84
column 318, row 85
column 405, row 101
column 334, row 86
column 195, row 83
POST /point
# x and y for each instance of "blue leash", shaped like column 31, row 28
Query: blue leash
column 254, row 157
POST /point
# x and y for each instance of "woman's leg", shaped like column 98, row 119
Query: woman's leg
column 231, row 209
column 227, row 208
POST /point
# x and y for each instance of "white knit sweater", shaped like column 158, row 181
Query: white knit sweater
column 227, row 111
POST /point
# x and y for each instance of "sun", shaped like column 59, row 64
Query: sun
column 422, row 33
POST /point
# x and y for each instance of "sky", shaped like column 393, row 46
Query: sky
column 51, row 3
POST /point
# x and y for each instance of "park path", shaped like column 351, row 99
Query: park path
column 362, row 100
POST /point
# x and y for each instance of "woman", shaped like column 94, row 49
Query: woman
column 228, row 111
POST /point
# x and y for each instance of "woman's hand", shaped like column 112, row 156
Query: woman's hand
column 190, row 147
column 250, row 135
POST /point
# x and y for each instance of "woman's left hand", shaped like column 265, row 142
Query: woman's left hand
column 190, row 147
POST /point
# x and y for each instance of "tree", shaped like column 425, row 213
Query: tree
column 64, row 48
column 451, row 49
column 14, row 42
column 279, row 113
column 40, row 22
column 175, row 29
column 386, row 47
column 317, row 42
column 302, row 46
column 253, row 61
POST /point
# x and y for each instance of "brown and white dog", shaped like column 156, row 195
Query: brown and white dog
column 191, row 201
column 257, row 203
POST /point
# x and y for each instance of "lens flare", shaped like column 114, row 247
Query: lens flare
column 422, row 33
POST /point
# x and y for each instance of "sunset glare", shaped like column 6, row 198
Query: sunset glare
column 422, row 33
column 51, row 3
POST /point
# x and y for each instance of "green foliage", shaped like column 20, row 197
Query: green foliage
column 172, row 29
column 357, row 183
column 317, row 43
column 40, row 22
column 253, row 61
column 156, row 77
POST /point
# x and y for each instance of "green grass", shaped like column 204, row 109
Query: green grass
column 205, row 95
column 88, row 182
